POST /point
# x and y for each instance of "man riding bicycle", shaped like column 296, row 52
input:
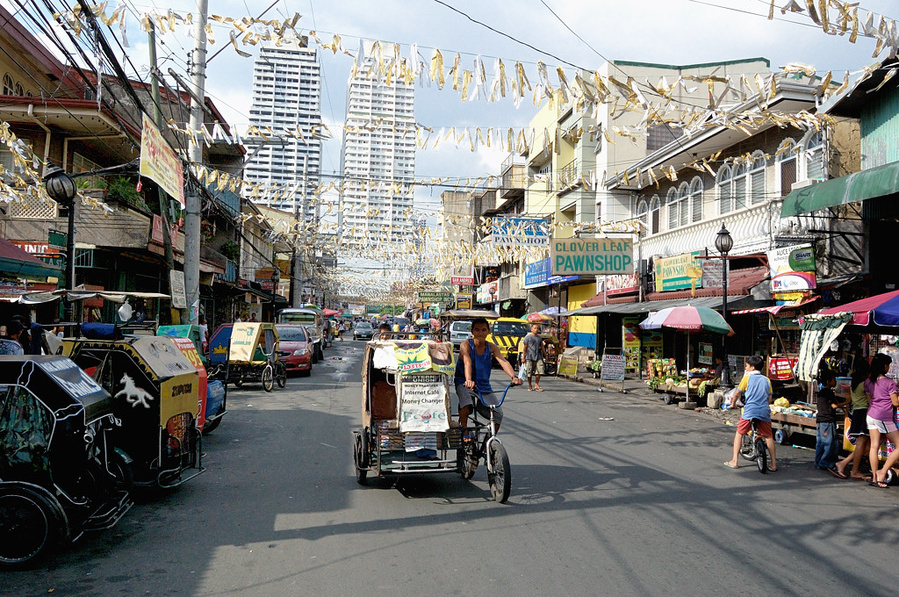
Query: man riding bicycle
column 473, row 370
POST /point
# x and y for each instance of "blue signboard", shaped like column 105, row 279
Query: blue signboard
column 537, row 274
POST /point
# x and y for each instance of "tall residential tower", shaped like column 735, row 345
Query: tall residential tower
column 378, row 158
column 287, row 97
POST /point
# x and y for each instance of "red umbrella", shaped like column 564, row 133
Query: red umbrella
column 538, row 317
column 329, row 312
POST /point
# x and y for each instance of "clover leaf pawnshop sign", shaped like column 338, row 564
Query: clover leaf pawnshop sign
column 591, row 257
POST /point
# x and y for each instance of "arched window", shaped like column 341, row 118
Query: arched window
column 696, row 189
column 739, row 187
column 757, row 191
column 786, row 168
column 8, row 86
column 655, row 214
column 20, row 91
column 643, row 213
column 683, row 195
column 671, row 204
column 814, row 157
column 725, row 190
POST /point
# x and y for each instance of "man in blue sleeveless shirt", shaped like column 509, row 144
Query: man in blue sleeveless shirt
column 757, row 390
column 473, row 368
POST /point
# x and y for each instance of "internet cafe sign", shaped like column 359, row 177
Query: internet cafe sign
column 792, row 268
column 591, row 257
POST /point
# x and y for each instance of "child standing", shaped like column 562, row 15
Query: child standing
column 826, row 448
column 757, row 390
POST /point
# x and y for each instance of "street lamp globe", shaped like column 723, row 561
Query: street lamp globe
column 724, row 242
column 59, row 185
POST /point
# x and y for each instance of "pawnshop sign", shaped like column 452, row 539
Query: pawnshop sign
column 591, row 257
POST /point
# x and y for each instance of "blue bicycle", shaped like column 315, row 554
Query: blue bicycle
column 484, row 444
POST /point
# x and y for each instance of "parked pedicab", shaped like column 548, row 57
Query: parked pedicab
column 213, row 393
column 253, row 356
column 407, row 427
column 61, row 471
column 155, row 394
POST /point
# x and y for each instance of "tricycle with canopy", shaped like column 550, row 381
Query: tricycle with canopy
column 253, row 355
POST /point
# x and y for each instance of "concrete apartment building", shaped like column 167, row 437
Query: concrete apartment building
column 378, row 158
column 287, row 96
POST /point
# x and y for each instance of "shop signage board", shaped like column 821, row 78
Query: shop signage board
column 706, row 354
column 463, row 301
column 176, row 283
column 57, row 239
column 160, row 163
column 487, row 292
column 792, row 268
column 781, row 368
column 591, row 257
column 621, row 283
column 462, row 280
column 520, row 232
column 712, row 273
column 434, row 296
column 674, row 273
column 613, row 366
column 568, row 366
column 536, row 274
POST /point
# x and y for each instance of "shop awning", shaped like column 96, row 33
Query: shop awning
column 36, row 298
column 775, row 309
column 712, row 302
column 867, row 184
column 15, row 262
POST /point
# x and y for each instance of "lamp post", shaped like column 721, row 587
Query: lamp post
column 276, row 279
column 724, row 243
column 61, row 188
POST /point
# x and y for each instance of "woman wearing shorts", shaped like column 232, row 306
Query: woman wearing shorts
column 884, row 399
column 858, row 427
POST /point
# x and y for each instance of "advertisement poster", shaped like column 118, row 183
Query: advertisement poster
column 706, row 354
column 792, row 268
column 781, row 368
column 412, row 356
column 651, row 344
column 423, row 406
column 630, row 332
column 594, row 257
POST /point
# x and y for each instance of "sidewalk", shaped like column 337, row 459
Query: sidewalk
column 639, row 390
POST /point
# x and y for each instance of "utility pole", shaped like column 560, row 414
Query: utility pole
column 160, row 124
column 192, row 215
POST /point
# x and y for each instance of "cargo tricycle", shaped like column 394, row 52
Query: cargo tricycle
column 253, row 355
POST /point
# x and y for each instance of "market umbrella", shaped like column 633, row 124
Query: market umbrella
column 878, row 310
column 329, row 312
column 538, row 317
column 689, row 319
column 554, row 311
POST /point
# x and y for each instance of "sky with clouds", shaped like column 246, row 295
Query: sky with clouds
column 557, row 32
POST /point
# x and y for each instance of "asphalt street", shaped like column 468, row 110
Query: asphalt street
column 611, row 494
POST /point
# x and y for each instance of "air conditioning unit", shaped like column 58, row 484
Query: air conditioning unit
column 801, row 184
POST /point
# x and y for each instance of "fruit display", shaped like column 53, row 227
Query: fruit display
column 661, row 368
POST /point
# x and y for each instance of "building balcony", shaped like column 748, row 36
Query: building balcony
column 515, row 180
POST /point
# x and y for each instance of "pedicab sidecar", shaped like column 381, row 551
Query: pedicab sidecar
column 406, row 423
column 253, row 355
column 155, row 394
column 61, row 473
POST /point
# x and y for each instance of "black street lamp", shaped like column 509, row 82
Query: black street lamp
column 276, row 279
column 724, row 243
column 61, row 188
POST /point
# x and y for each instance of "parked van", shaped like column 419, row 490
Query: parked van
column 312, row 318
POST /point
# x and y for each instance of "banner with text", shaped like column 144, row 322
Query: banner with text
column 676, row 273
column 160, row 163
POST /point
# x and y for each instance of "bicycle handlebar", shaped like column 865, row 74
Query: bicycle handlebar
column 501, row 400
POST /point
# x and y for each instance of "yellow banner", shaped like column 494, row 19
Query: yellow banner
column 243, row 341
column 160, row 163
column 412, row 357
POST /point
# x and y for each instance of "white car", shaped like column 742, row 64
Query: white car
column 459, row 332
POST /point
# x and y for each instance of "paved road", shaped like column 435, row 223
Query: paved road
column 639, row 504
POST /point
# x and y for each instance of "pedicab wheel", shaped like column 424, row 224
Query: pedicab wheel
column 668, row 399
column 27, row 527
column 121, row 470
column 239, row 381
column 500, row 479
column 359, row 459
column 268, row 378
column 280, row 374
column 210, row 426
column 761, row 455
column 747, row 450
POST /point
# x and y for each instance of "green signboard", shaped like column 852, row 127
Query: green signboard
column 591, row 257
column 676, row 273
column 57, row 239
column 434, row 296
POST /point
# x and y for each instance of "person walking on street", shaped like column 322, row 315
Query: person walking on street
column 858, row 426
column 884, row 400
column 532, row 357
column 826, row 448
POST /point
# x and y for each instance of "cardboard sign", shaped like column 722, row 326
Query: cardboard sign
column 423, row 406
column 568, row 366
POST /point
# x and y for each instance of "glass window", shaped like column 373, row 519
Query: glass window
column 786, row 162
column 814, row 157
column 671, row 204
column 757, row 178
column 696, row 189
column 8, row 85
column 643, row 212
column 725, row 190
column 655, row 214
column 739, row 187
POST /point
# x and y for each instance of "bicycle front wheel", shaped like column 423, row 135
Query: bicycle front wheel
column 761, row 450
column 500, row 479
column 268, row 378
